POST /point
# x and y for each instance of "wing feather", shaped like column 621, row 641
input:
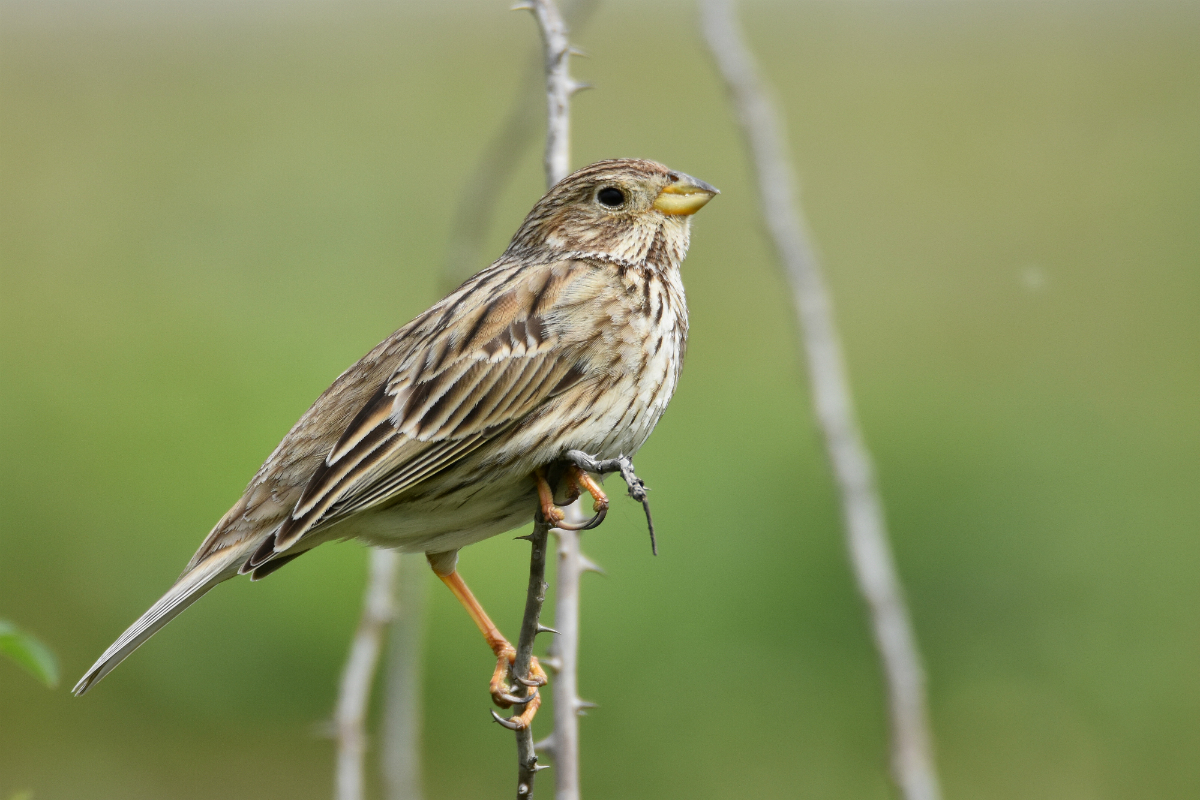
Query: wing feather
column 486, row 365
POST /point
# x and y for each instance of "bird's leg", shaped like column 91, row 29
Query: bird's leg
column 581, row 479
column 500, row 687
column 552, row 513
column 577, row 480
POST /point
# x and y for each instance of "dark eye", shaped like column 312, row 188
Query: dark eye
column 611, row 196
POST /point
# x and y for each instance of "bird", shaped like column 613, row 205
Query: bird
column 453, row 429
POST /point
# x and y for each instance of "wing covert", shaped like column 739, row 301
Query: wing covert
column 478, row 369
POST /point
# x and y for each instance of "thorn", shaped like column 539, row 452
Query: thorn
column 545, row 629
column 545, row 745
column 587, row 565
column 577, row 51
column 581, row 706
column 553, row 662
column 523, row 6
column 527, row 537
column 578, row 86
column 540, row 767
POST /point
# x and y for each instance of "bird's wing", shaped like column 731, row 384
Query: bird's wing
column 479, row 361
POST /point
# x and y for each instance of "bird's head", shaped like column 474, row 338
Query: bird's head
column 627, row 208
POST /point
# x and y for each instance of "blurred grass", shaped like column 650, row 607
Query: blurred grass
column 207, row 212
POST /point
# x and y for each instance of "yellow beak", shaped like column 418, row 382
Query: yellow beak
column 685, row 195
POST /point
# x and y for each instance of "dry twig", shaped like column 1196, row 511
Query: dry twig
column 500, row 159
column 350, row 716
column 531, row 626
column 400, row 750
column 563, row 744
column 911, row 744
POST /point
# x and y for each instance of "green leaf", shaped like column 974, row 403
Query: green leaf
column 29, row 653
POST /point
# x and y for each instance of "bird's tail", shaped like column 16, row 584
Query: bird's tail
column 190, row 587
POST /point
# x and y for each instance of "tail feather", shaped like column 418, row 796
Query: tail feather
column 188, row 589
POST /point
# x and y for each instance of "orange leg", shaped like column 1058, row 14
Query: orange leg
column 577, row 479
column 586, row 482
column 499, row 686
column 551, row 512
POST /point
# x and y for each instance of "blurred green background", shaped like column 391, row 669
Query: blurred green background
column 208, row 210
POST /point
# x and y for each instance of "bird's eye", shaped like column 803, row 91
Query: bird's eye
column 611, row 196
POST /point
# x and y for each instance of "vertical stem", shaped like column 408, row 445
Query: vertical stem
column 565, row 748
column 500, row 159
column 866, row 534
column 559, row 88
column 400, row 754
column 564, row 742
column 527, row 766
column 350, row 716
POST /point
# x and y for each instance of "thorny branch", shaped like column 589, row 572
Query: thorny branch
column 562, row 657
column 911, row 744
column 399, row 752
column 556, row 49
column 500, row 158
column 350, row 716
column 531, row 626
column 563, row 744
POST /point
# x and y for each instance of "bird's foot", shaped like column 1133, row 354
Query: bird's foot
column 582, row 480
column 577, row 481
column 502, row 688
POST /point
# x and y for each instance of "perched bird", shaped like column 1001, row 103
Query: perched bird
column 453, row 428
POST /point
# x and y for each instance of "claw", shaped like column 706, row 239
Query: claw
column 583, row 526
column 513, row 700
column 519, row 722
column 513, row 724
column 539, row 679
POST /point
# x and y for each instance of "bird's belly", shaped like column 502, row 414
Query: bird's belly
column 447, row 511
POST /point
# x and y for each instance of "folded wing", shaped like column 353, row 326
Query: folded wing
column 474, row 370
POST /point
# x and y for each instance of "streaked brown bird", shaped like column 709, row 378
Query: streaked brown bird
column 453, row 428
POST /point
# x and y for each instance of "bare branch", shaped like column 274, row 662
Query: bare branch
column 911, row 744
column 527, row 766
column 556, row 49
column 500, row 158
column 563, row 745
column 400, row 750
column 350, row 716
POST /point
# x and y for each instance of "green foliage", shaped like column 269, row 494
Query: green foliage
column 31, row 654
